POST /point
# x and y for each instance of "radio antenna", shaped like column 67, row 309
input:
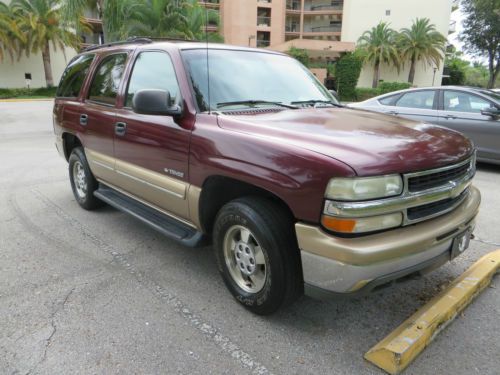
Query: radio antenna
column 208, row 65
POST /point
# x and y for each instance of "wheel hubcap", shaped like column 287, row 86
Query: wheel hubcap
column 245, row 259
column 80, row 179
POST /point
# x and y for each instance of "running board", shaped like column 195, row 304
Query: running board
column 164, row 224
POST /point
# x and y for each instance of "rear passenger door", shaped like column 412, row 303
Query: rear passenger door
column 152, row 151
column 461, row 111
column 98, row 115
column 418, row 105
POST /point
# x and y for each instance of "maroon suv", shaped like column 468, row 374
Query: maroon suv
column 246, row 149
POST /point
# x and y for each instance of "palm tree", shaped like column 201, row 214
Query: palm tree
column 197, row 19
column 378, row 46
column 421, row 42
column 11, row 39
column 41, row 24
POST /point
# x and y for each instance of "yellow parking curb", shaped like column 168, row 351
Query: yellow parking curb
column 25, row 100
column 394, row 353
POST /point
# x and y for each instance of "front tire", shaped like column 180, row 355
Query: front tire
column 257, row 254
column 83, row 182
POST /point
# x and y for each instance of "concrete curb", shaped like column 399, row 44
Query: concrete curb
column 25, row 100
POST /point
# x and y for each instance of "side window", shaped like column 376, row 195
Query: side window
column 73, row 77
column 104, row 87
column 417, row 99
column 388, row 100
column 462, row 102
column 152, row 70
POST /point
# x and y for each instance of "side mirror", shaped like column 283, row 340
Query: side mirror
column 492, row 112
column 155, row 102
column 335, row 94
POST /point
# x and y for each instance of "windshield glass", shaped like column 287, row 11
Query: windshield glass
column 492, row 94
column 252, row 78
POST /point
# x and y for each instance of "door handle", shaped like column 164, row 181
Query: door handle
column 394, row 113
column 120, row 128
column 450, row 117
column 84, row 119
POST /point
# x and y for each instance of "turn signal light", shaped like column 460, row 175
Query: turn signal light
column 338, row 225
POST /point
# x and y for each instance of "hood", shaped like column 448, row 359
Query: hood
column 371, row 143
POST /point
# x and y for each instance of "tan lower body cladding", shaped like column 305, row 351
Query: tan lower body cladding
column 166, row 194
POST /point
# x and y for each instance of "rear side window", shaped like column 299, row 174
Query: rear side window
column 463, row 102
column 417, row 99
column 104, row 87
column 389, row 100
column 152, row 70
column 72, row 79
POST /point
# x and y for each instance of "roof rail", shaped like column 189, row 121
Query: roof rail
column 136, row 39
column 122, row 42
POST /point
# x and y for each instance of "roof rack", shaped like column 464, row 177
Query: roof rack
column 135, row 39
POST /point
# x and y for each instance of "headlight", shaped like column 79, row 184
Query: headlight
column 364, row 188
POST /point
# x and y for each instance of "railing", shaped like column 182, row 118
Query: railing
column 265, row 1
column 333, row 5
column 292, row 28
column 324, row 29
column 261, row 20
column 293, row 5
column 210, row 1
column 263, row 43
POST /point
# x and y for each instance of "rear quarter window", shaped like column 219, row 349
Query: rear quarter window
column 73, row 77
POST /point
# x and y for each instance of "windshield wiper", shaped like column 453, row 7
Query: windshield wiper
column 253, row 103
column 313, row 102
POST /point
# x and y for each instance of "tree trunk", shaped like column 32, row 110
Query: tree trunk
column 100, row 12
column 411, row 76
column 47, row 66
column 494, row 70
column 376, row 75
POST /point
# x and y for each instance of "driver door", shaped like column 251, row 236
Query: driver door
column 151, row 151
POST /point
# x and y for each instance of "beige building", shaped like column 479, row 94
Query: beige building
column 325, row 28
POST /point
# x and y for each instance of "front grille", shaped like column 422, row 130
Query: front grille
column 432, row 180
column 434, row 208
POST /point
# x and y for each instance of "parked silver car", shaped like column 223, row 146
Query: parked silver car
column 474, row 112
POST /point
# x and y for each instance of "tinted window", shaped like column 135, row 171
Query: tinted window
column 74, row 75
column 152, row 70
column 462, row 102
column 106, row 82
column 417, row 99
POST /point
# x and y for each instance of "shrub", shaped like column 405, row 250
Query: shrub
column 347, row 71
column 365, row 93
column 21, row 92
column 386, row 87
column 299, row 54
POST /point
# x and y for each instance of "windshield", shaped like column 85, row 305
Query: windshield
column 491, row 94
column 248, row 78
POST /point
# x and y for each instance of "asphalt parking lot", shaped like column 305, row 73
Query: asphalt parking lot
column 100, row 293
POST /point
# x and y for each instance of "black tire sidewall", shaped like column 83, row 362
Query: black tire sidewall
column 271, row 296
column 89, row 201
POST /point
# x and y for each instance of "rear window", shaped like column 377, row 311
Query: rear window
column 106, row 81
column 72, row 79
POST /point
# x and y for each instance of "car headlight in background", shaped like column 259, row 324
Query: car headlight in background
column 364, row 188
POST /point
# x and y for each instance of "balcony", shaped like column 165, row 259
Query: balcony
column 293, row 6
column 263, row 21
column 210, row 3
column 317, row 28
column 322, row 6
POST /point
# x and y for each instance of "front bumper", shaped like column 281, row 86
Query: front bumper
column 339, row 266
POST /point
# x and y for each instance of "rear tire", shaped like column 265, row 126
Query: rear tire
column 83, row 182
column 257, row 254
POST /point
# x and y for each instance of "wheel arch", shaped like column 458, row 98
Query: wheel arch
column 218, row 190
column 70, row 141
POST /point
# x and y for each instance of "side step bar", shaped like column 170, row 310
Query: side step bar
column 166, row 225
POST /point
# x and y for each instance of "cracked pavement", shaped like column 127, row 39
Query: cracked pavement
column 100, row 293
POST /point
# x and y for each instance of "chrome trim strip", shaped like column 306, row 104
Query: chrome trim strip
column 150, row 184
column 407, row 199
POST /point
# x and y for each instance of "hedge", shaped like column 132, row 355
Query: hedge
column 347, row 71
column 15, row 93
column 364, row 93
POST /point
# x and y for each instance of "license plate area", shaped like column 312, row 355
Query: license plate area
column 460, row 243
